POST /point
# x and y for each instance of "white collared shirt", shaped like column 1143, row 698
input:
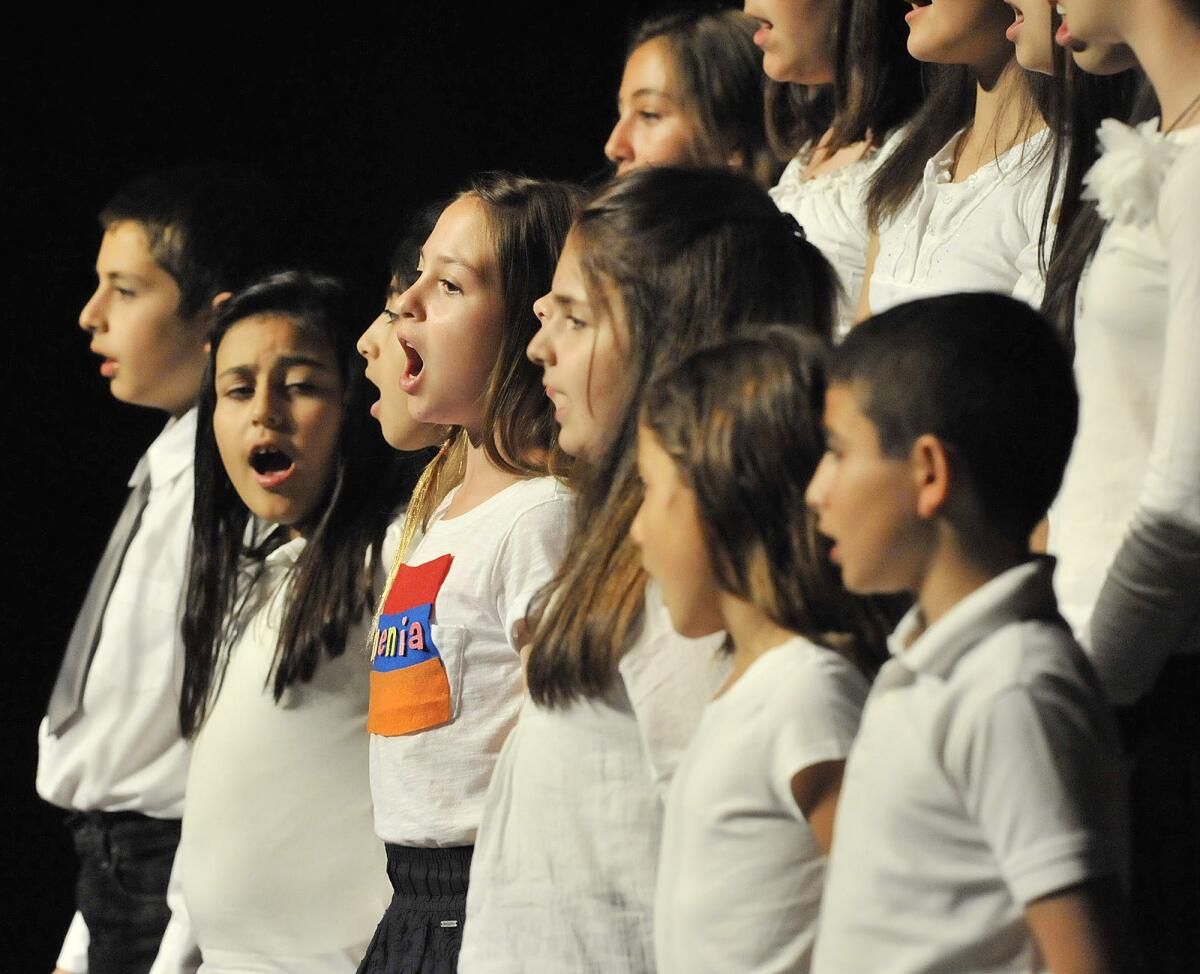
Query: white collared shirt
column 985, row 775
column 124, row 752
column 977, row 235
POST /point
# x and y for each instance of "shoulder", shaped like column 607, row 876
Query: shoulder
column 1180, row 189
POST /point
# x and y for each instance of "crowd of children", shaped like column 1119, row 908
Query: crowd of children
column 698, row 594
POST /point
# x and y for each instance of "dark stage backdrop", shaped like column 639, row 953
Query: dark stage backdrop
column 366, row 114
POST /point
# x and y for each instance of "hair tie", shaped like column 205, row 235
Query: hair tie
column 793, row 225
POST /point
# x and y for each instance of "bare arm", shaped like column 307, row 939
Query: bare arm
column 1081, row 930
column 863, row 311
column 816, row 791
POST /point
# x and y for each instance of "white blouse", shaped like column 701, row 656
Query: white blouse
column 566, row 857
column 832, row 209
column 1136, row 460
column 977, row 235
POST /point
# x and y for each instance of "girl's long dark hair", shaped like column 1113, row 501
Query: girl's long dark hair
column 1083, row 101
column 332, row 579
column 691, row 255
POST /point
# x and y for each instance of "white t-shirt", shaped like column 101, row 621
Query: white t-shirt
column 564, row 868
column 741, row 873
column 977, row 235
column 985, row 776
column 124, row 752
column 1137, row 453
column 279, row 866
column 469, row 584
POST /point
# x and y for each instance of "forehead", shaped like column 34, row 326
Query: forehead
column 263, row 338
column 844, row 417
column 650, row 68
column 463, row 234
column 125, row 249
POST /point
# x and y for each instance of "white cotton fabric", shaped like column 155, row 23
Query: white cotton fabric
column 564, row 869
column 977, row 235
column 279, row 865
column 429, row 786
column 1137, row 345
column 985, row 776
column 124, row 752
column 741, row 873
column 832, row 209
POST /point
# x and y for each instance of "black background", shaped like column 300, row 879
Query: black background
column 367, row 113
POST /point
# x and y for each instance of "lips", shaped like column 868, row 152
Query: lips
column 763, row 33
column 917, row 7
column 271, row 464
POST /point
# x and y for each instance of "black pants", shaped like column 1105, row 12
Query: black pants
column 421, row 932
column 124, row 865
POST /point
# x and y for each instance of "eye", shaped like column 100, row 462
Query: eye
column 390, row 315
column 124, row 292
column 648, row 116
column 242, row 391
column 449, row 286
column 576, row 323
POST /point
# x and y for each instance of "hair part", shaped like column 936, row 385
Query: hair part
column 212, row 228
column 693, row 255
column 331, row 582
column 742, row 421
column 996, row 388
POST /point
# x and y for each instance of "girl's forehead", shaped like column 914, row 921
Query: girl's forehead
column 463, row 235
column 273, row 335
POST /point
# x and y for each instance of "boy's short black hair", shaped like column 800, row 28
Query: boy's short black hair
column 986, row 375
column 212, row 228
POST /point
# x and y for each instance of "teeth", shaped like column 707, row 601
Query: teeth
column 1061, row 10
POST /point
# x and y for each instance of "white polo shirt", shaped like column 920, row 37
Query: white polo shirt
column 985, row 776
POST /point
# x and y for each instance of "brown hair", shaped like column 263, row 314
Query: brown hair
column 692, row 256
column 720, row 82
column 528, row 220
column 742, row 421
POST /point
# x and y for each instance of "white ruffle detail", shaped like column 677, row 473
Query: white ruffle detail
column 1125, row 181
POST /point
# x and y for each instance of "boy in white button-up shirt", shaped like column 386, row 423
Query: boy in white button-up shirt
column 109, row 751
column 981, row 823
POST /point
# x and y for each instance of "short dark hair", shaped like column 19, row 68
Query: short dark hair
column 212, row 228
column 986, row 375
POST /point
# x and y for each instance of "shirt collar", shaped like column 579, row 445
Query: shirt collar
column 171, row 453
column 1023, row 592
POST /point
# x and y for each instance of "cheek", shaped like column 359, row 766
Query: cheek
column 226, row 432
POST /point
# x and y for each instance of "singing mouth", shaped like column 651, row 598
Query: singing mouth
column 415, row 363
column 271, row 465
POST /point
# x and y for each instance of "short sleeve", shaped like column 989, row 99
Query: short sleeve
column 812, row 718
column 1043, row 788
column 529, row 557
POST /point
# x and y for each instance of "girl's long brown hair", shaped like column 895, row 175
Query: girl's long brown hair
column 688, row 256
column 742, row 421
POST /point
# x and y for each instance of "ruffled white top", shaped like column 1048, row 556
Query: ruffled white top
column 977, row 235
column 832, row 209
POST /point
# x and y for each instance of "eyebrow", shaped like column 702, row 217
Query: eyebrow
column 454, row 261
column 568, row 300
column 124, row 275
column 283, row 362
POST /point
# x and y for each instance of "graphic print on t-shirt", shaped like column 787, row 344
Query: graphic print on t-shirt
column 410, row 691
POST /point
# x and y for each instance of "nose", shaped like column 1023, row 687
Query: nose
column 538, row 351
column 268, row 404
column 618, row 149
column 368, row 342
column 818, row 488
column 410, row 303
column 92, row 317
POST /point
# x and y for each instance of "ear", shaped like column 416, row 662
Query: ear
column 220, row 299
column 932, row 474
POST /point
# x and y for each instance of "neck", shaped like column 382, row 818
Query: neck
column 1167, row 44
column 1000, row 105
column 481, row 480
column 751, row 631
column 957, row 568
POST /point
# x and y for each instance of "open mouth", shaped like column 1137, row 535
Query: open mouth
column 415, row 363
column 271, row 465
